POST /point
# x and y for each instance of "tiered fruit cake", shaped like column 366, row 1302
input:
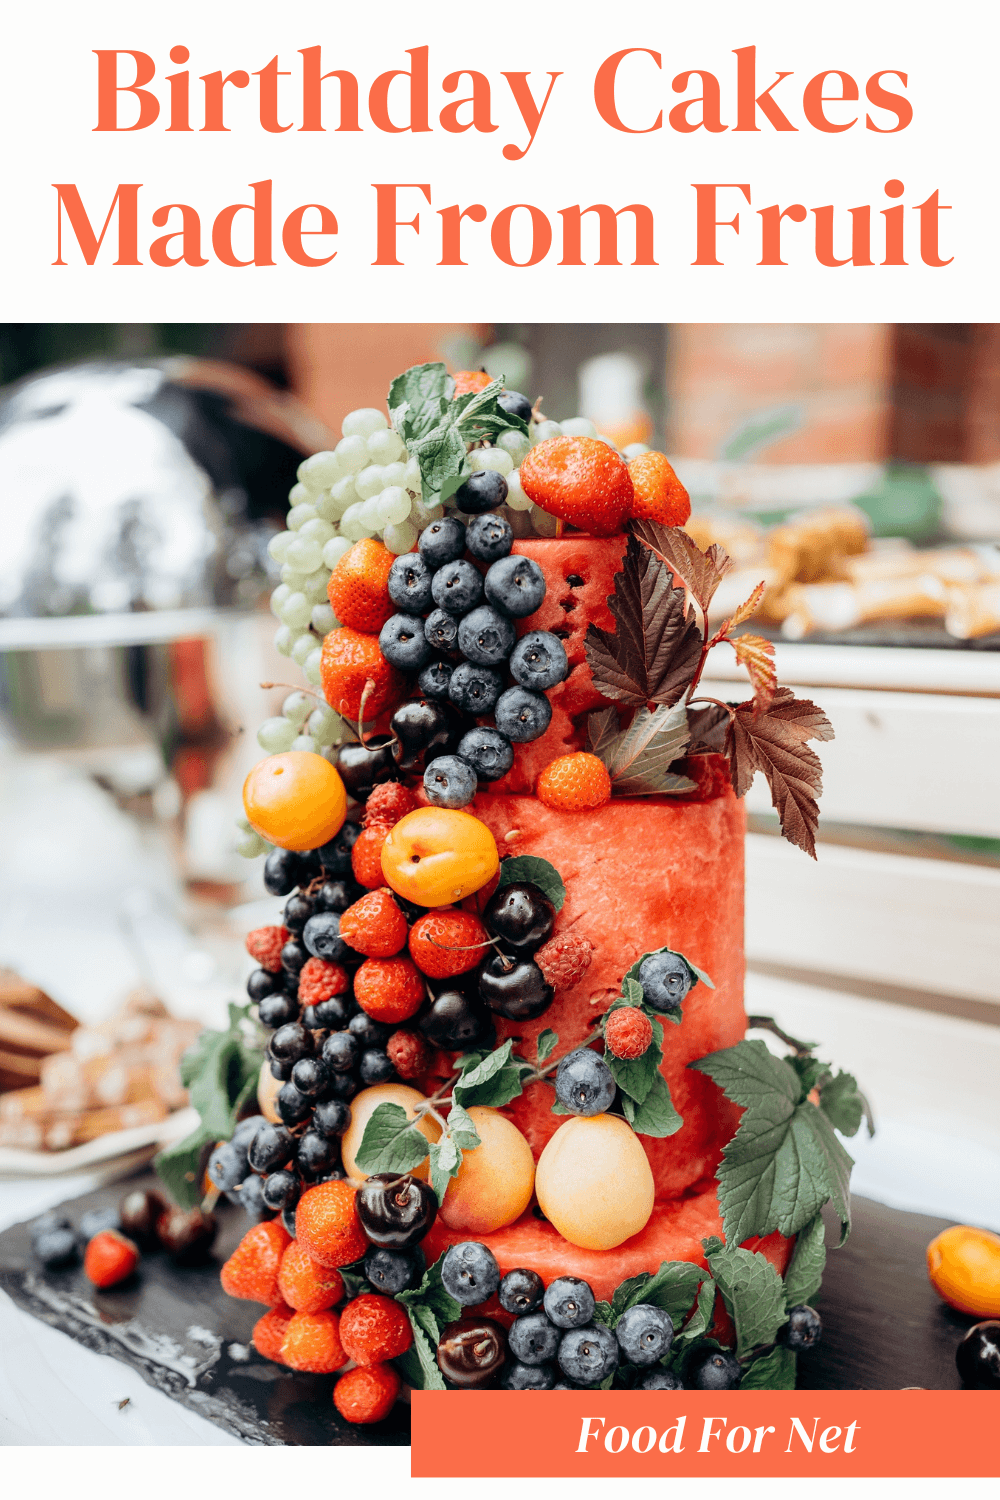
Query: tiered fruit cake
column 511, row 1112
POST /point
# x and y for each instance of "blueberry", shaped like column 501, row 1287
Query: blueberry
column 278, row 1010
column 392, row 1271
column 485, row 637
column 310, row 1076
column 484, row 490
column 489, row 538
column 457, row 587
column 518, row 1377
column 227, row 1167
column 522, row 715
column 282, row 872
column 660, row 1379
column 270, row 1148
column 403, row 644
column 341, row 1051
column 804, row 1328
column 369, row 1033
column 52, row 1218
column 293, row 956
column 454, row 1021
column 489, row 754
column 584, row 1083
column 338, row 895
column 321, row 936
column 375, row 1067
column 665, row 980
column 261, row 984
column 645, row 1334
column 433, row 680
column 533, row 1339
column 316, row 1154
column 450, row 782
column 251, row 1200
column 335, row 856
column 442, row 541
column 588, row 1355
column 711, row 1369
column 441, row 630
column 569, row 1303
column 327, row 1015
column 97, row 1219
column 473, row 688
column 246, row 1130
column 331, row 1117
column 515, row 404
column 469, row 1273
column 281, row 1189
column 521, row 1292
column 55, row 1247
column 289, row 1043
column 296, row 914
column 515, row 585
column 410, row 583
column 539, row 660
column 292, row 1106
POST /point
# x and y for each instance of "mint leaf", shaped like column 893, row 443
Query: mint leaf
column 560, row 1109
column 461, row 1129
column 440, row 455
column 805, row 1271
column 180, row 1166
column 445, row 1162
column 484, row 1069
column 701, row 1319
column 416, row 400
column 656, row 1115
column 529, row 869
column 842, row 1103
column 753, row 1292
column 771, row 1372
column 673, row 1287
column 500, row 1089
column 546, row 1045
column 435, row 1306
column 390, row 1142
column 811, row 1072
column 712, row 1245
column 480, row 415
column 603, row 1314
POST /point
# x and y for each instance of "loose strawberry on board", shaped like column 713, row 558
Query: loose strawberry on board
column 251, row 1272
column 366, row 1394
column 109, row 1258
column 581, row 480
column 269, row 1332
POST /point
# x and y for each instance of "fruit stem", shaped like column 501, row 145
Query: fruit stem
column 767, row 1023
column 295, row 687
column 210, row 1199
column 465, row 948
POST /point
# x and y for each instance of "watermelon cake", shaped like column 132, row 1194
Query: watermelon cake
column 510, row 1128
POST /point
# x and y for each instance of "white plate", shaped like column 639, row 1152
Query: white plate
column 122, row 1150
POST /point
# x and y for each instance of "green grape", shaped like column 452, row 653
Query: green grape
column 243, row 822
column 497, row 459
column 305, row 553
column 311, row 667
column 326, row 506
column 249, row 844
column 278, row 598
column 298, row 517
column 323, row 619
column 542, row 431
column 325, row 725
column 363, row 422
column 368, row 482
column 353, row 454
column 295, row 580
column 299, row 494
column 411, row 476
column 296, row 611
column 297, row 707
column 319, row 471
column 353, row 524
column 371, row 514
column 305, row 742
column 334, row 551
column 393, row 474
column 315, row 586
column 401, row 538
column 517, row 444
column 385, row 445
column 285, row 639
column 632, row 450
column 578, row 427
column 279, row 544
column 302, row 648
column 276, row 735
column 394, row 505
column 516, row 498
column 343, row 494
column 318, row 531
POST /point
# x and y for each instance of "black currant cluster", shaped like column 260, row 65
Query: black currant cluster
column 455, row 632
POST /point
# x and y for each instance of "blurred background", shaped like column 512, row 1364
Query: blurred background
column 854, row 467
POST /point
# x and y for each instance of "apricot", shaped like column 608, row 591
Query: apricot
column 295, row 800
column 437, row 855
column 496, row 1178
column 594, row 1183
column 964, row 1268
column 363, row 1106
column 267, row 1092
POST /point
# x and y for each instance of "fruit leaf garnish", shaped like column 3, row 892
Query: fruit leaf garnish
column 805, row 1271
column 674, row 1287
column 700, row 572
column 545, row 1045
column 494, row 1081
column 774, row 1371
column 654, row 653
column 632, row 973
column 656, row 1115
column 437, row 430
column 429, row 1308
column 774, row 741
column 638, row 759
column 752, row 1291
column 844, row 1104
column 530, row 869
column 390, row 1142
column 757, row 655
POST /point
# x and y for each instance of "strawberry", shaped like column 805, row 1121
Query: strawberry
column 350, row 661
column 312, row 1342
column 574, row 783
column 305, row 1286
column 469, row 381
column 269, row 1332
column 374, row 925
column 319, row 979
column 565, row 960
column 389, row 989
column 366, row 856
column 265, row 945
column 109, row 1258
column 628, row 1032
column 366, row 1394
column 658, row 493
column 581, row 480
column 388, row 803
column 251, row 1272
column 433, row 934
column 327, row 1225
column 358, row 588
column 374, row 1328
column 408, row 1053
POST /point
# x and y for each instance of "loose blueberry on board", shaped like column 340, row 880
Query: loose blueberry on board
column 375, row 1067
column 515, row 586
column 450, row 782
column 485, row 636
column 433, row 680
column 471, row 1352
column 588, row 1355
column 665, row 980
column 282, row 872
column 55, row 1247
column 441, row 630
column 521, row 915
column 584, row 1083
column 227, row 1168
column 321, row 936
column 409, row 583
column 422, row 727
column 533, row 1339
column 292, row 1107
column 539, row 660
column 521, row 715
column 978, row 1355
column 341, row 1051
column 803, row 1330
column 298, row 910
column 270, row 1149
column 474, row 689
column 368, row 1033
column 97, row 1219
column 403, row 644
column 489, row 754
column 569, row 1302
column 484, row 490
column 469, row 1273
column 660, row 1379
column 361, row 768
column 644, row 1333
column 442, row 541
column 709, row 1369
column 457, row 587
column 392, row 1271
column 518, row 1377
column 515, row 404
column 454, row 1021
column 521, row 1292
column 281, row 1190
column 316, row 1154
column 489, row 538
column 514, row 988
column 331, row 1117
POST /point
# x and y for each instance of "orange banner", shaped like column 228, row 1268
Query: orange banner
column 560, row 1434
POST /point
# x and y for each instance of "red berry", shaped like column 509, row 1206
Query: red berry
column 350, row 661
column 358, row 587
column 366, row 1394
column 265, row 945
column 388, row 803
column 389, row 989
column 627, row 1032
column 565, row 960
column 251, row 1272
column 269, row 1332
column 433, row 935
column 408, row 1053
column 574, row 783
column 312, row 1342
column 327, row 1225
column 305, row 1286
column 374, row 926
column 374, row 1328
column 109, row 1258
column 366, row 856
column 318, row 980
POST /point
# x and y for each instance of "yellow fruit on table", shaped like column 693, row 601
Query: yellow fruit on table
column 964, row 1267
column 267, row 1092
column 496, row 1178
column 295, row 800
column 594, row 1183
column 437, row 855
column 363, row 1106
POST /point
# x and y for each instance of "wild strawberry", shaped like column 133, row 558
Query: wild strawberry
column 388, row 803
column 358, row 588
column 265, row 945
column 109, row 1258
column 319, row 979
column 349, row 662
column 658, row 494
column 327, row 1225
column 437, row 941
column 581, row 480
column 468, row 381
column 574, row 783
column 389, row 989
column 408, row 1053
column 628, row 1032
column 305, row 1286
column 366, row 1394
column 269, row 1332
column 366, row 856
column 374, row 925
column 251, row 1272
column 312, row 1342
column 374, row 1328
column 565, row 960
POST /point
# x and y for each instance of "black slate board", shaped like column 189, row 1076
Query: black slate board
column 884, row 1328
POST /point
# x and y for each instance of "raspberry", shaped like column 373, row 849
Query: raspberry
column 374, row 1329
column 269, row 1332
column 265, row 945
column 349, row 661
column 318, row 980
column 109, row 1258
column 327, row 1225
column 581, row 480
column 455, row 930
column 312, row 1342
column 366, row 856
column 366, row 1394
column 358, row 589
column 658, row 493
column 408, row 1053
column 374, row 925
column 251, row 1272
column 574, row 783
column 565, row 960
column 627, row 1032
column 467, row 381
column 389, row 989
column 388, row 803
column 305, row 1286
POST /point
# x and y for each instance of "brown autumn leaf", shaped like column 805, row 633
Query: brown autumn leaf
column 757, row 655
column 701, row 572
column 709, row 727
column 654, row 652
column 774, row 742
column 639, row 758
column 747, row 608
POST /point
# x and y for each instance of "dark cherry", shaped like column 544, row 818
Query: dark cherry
column 338, row 895
column 317, row 1154
column 362, row 768
column 454, row 1020
column 292, row 1106
column 139, row 1212
column 522, row 916
column 186, row 1234
column 420, row 726
column 978, row 1355
column 514, row 987
column 261, row 983
column 297, row 912
column 471, row 1352
column 396, row 1210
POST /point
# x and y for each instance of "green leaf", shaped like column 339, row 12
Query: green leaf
column 638, row 759
column 673, row 1287
column 486, row 1067
column 701, row 1319
column 656, row 1115
column 504, row 1086
column 480, row 415
column 445, row 1162
column 546, row 1044
column 416, row 400
column 560, row 1109
column 440, row 455
column 426, row 1376
column 529, row 869
column 603, row 1314
column 842, row 1104
column 771, row 1372
column 636, row 1076
column 180, row 1166
column 354, row 1279
column 805, row 1272
column 390, row 1143
column 753, row 1292
column 811, row 1072
column 437, row 1307
column 461, row 1129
